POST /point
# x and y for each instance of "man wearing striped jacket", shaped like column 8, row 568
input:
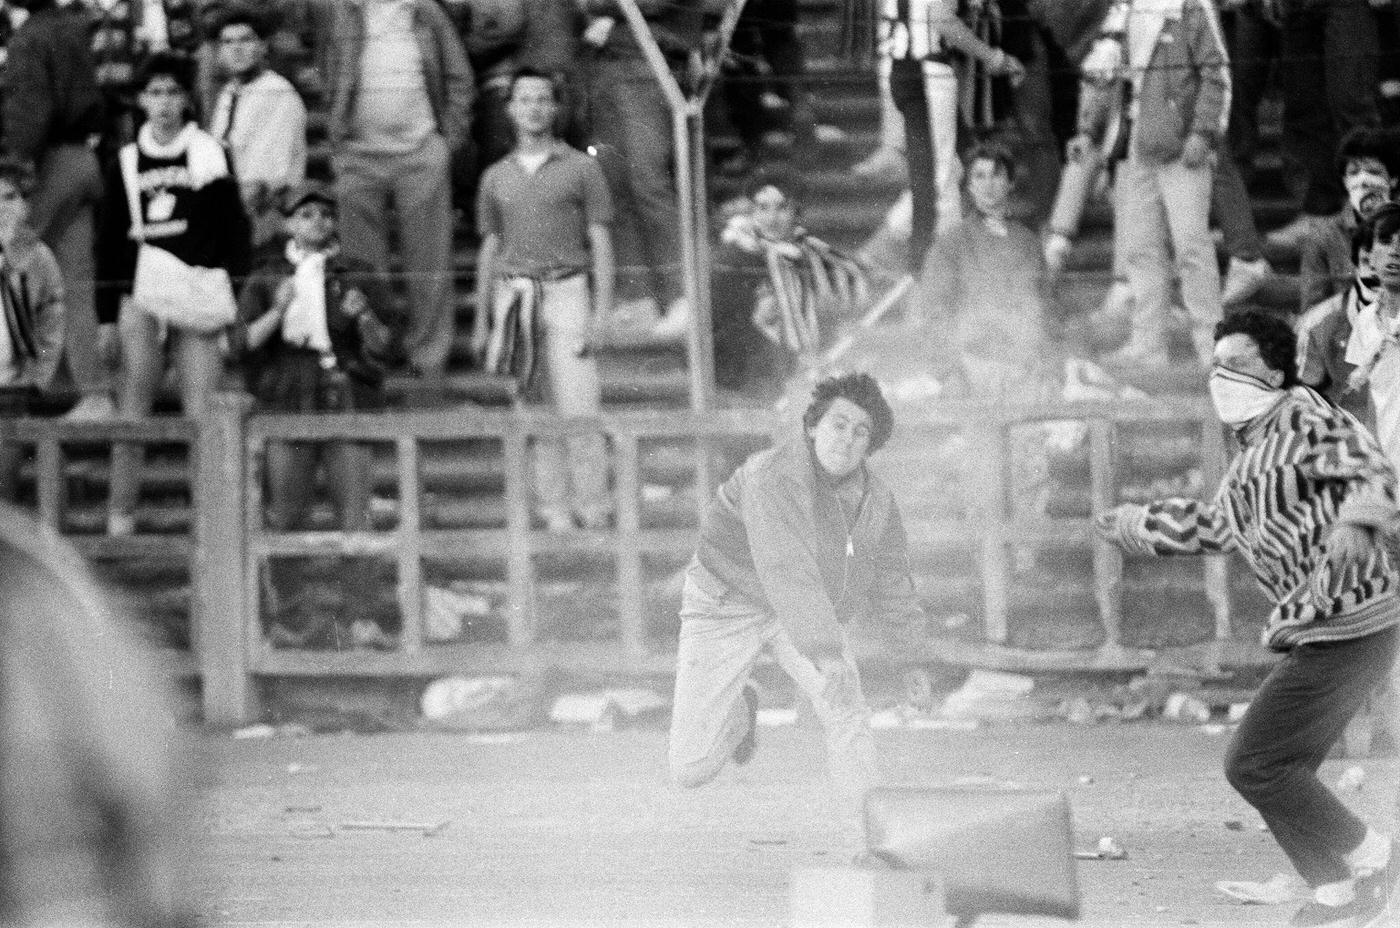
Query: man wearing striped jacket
column 1306, row 502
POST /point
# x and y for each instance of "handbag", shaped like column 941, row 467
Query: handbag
column 185, row 296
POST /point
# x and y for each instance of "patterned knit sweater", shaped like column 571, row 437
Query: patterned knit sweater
column 1306, row 466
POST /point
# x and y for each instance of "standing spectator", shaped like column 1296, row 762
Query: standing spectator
column 767, row 29
column 172, row 191
column 501, row 37
column 631, row 125
column 53, row 118
column 800, row 541
column 1310, row 502
column 544, row 213
column 317, row 332
column 1369, row 166
column 922, row 38
column 1330, row 51
column 31, row 306
column 986, row 282
column 778, row 291
column 1374, row 346
column 1167, row 100
column 401, row 93
column 1324, row 332
column 260, row 119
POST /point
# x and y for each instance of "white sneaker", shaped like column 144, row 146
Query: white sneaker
column 1243, row 279
column 94, row 407
column 121, row 524
column 1057, row 247
column 883, row 162
column 675, row 321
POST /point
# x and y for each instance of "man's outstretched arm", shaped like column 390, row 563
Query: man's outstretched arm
column 1169, row 526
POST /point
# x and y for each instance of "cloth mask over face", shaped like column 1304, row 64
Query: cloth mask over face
column 1241, row 398
column 1366, row 191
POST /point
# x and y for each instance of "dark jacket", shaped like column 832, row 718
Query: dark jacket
column 447, row 74
column 31, row 300
column 363, row 348
column 776, row 536
column 1324, row 260
column 676, row 25
column 51, row 95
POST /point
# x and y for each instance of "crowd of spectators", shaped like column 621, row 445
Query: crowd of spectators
column 169, row 139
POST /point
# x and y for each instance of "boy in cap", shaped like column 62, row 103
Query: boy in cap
column 316, row 332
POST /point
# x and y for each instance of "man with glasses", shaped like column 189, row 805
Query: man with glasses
column 1310, row 501
column 800, row 541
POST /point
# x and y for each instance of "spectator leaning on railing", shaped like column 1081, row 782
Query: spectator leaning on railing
column 261, row 120
column 401, row 94
column 173, row 234
column 53, row 119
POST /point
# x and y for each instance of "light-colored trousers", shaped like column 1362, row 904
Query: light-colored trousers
column 1163, row 210
column 571, row 475
column 420, row 188
column 720, row 642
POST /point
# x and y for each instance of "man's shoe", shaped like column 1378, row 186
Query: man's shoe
column 676, row 320
column 1361, row 912
column 94, row 407
column 1243, row 279
column 1383, row 887
column 744, row 750
column 121, row 524
column 883, row 163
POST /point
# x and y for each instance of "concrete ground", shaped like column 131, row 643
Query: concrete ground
column 566, row 828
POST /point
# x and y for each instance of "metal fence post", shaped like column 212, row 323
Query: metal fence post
column 219, row 611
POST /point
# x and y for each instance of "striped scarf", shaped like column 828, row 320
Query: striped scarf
column 516, row 331
column 808, row 280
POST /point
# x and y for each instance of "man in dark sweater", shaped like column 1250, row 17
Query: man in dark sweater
column 800, row 541
column 1310, row 502
column 52, row 119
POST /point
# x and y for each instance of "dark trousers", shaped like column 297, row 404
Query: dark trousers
column 767, row 29
column 908, row 89
column 1298, row 714
column 1254, row 43
column 1329, row 87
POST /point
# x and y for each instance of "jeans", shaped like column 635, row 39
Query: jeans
column 1162, row 209
column 1298, row 714
column 926, row 95
column 1329, row 87
column 631, row 125
column 68, row 184
column 721, row 638
column 571, row 474
column 418, row 184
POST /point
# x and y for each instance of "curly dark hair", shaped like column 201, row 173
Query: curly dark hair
column 861, row 389
column 174, row 65
column 1278, row 345
column 1370, row 142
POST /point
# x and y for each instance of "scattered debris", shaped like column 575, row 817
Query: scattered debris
column 1281, row 888
column 604, row 709
column 1214, row 729
column 429, row 829
column 943, row 724
column 1183, row 707
column 264, row 730
column 295, row 768
column 768, row 842
column 1107, row 849
column 447, row 613
column 1237, row 710
column 1353, row 778
column 300, row 810
column 309, row 832
column 993, row 695
column 776, row 718
column 483, row 703
column 1086, row 780
column 1234, row 824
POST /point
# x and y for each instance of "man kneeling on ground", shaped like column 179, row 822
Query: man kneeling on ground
column 800, row 540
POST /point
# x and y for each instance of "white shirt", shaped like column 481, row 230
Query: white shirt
column 1372, row 335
